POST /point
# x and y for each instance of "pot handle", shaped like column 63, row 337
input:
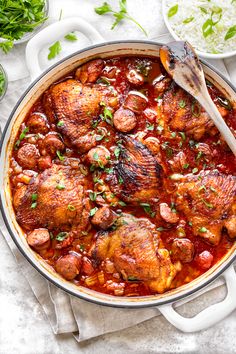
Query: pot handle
column 52, row 33
column 211, row 315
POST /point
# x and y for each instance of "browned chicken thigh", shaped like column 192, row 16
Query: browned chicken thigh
column 136, row 174
column 76, row 106
column 209, row 202
column 135, row 249
column 181, row 113
column 54, row 199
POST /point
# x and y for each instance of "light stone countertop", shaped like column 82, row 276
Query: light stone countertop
column 24, row 328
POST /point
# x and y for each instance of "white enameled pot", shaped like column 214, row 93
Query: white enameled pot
column 164, row 302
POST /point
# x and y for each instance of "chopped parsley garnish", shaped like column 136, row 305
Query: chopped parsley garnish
column 104, row 81
column 61, row 236
column 202, row 229
column 117, row 152
column 150, row 126
column 183, row 136
column 34, row 197
column 147, row 208
column 106, row 8
column 60, row 123
column 60, row 186
column 230, row 33
column 21, row 137
column 120, row 180
column 121, row 203
column 33, row 205
column 60, row 156
column 208, row 205
column 93, row 196
column 93, row 211
column 71, row 207
column 107, row 115
column 182, row 103
column 186, row 165
column 71, row 37
column 194, row 170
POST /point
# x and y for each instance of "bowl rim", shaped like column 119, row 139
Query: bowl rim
column 177, row 38
column 67, row 286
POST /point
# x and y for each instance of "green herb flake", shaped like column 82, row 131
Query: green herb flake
column 23, row 134
column 60, row 123
column 93, row 211
column 61, row 236
column 82, row 247
column 147, row 208
column 173, row 10
column 150, row 126
column 33, row 205
column 182, row 104
column 60, row 186
column 160, row 229
column 71, row 207
column 186, row 165
column 120, row 180
column 202, row 229
column 183, row 136
column 194, row 170
column 117, row 152
column 60, row 156
column 93, row 196
column 34, row 197
column 121, row 203
column 54, row 50
column 208, row 205
column 71, row 37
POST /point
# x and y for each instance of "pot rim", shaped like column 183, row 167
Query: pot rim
column 139, row 304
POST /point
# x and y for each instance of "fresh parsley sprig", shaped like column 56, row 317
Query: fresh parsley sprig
column 105, row 8
column 17, row 18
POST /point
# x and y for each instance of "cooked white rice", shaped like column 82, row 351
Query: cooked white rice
column 192, row 31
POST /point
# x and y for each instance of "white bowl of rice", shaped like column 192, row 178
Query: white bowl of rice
column 208, row 25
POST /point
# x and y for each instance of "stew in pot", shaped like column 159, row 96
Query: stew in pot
column 120, row 180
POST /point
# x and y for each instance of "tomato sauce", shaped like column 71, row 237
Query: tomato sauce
column 172, row 142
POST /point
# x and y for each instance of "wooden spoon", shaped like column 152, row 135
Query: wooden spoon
column 182, row 64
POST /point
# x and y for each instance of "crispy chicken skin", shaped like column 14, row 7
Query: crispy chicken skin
column 181, row 114
column 209, row 202
column 76, row 106
column 136, row 174
column 134, row 247
column 55, row 189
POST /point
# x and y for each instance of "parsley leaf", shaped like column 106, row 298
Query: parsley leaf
column 54, row 50
column 123, row 14
column 173, row 10
column 71, row 37
column 230, row 33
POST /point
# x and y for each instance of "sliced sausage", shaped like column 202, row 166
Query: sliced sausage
column 27, row 156
column 90, row 71
column 51, row 144
column 167, row 214
column 69, row 266
column 87, row 267
column 124, row 120
column 204, row 260
column 44, row 162
column 39, row 239
column 98, row 156
column 161, row 84
column 136, row 102
column 37, row 123
column 135, row 78
column 183, row 250
column 103, row 218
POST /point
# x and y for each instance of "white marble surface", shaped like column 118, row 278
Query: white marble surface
column 24, row 327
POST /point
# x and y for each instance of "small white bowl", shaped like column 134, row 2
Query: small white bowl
column 177, row 38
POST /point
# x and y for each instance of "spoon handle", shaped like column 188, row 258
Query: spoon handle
column 207, row 103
